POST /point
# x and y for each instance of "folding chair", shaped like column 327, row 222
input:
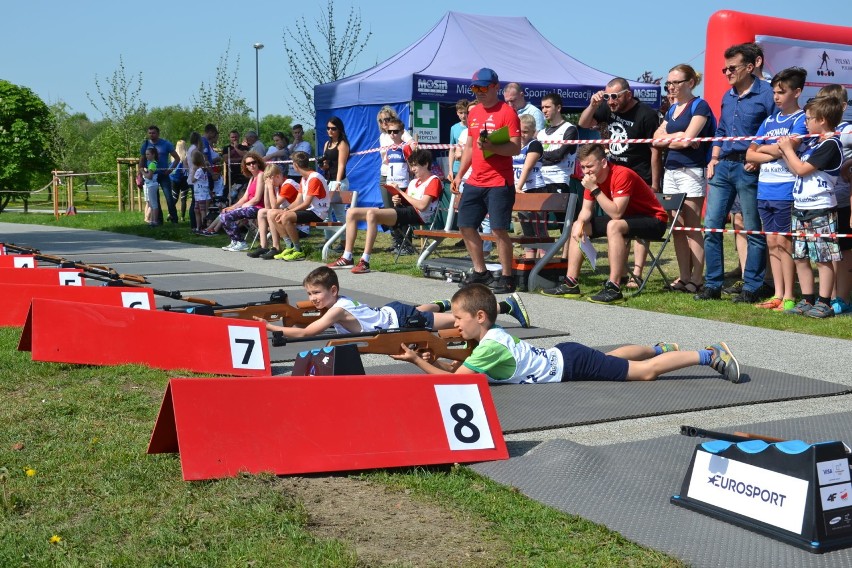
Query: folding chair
column 672, row 203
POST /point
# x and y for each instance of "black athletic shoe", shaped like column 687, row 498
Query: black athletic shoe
column 474, row 277
column 270, row 254
column 611, row 294
column 256, row 253
column 707, row 293
column 505, row 285
column 746, row 297
column 734, row 288
column 563, row 290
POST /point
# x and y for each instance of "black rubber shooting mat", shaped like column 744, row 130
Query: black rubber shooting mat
column 187, row 282
column 524, row 408
column 627, row 488
column 175, row 266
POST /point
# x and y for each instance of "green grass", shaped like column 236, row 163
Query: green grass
column 83, row 430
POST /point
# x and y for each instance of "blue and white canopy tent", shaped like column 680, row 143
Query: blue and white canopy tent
column 434, row 72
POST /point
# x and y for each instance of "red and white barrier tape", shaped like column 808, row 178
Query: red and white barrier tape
column 801, row 234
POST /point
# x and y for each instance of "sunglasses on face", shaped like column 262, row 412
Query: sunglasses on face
column 394, row 131
column 480, row 90
column 669, row 84
column 732, row 68
column 387, row 118
column 250, row 164
column 613, row 96
column 331, row 128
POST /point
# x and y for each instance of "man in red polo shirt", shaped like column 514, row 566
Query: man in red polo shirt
column 629, row 206
column 490, row 189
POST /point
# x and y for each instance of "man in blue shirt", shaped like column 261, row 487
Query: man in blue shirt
column 165, row 152
column 744, row 107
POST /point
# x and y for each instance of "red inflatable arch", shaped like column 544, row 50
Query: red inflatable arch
column 726, row 28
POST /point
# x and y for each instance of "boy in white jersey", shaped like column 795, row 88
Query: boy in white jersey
column 816, row 168
column 507, row 359
column 346, row 315
column 776, row 181
column 415, row 206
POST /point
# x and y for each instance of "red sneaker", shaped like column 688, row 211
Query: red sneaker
column 363, row 267
column 340, row 263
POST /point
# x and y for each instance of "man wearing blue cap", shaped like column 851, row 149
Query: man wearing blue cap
column 490, row 189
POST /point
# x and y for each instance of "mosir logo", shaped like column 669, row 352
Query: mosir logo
column 432, row 86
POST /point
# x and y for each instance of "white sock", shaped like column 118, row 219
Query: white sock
column 347, row 255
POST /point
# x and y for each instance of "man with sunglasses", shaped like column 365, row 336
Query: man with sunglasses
column 744, row 108
column 490, row 189
column 627, row 118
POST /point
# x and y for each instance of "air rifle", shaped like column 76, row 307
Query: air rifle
column 276, row 308
column 736, row 437
column 106, row 274
column 445, row 343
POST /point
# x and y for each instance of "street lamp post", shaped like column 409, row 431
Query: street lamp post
column 257, row 48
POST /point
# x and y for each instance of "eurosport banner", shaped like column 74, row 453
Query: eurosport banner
column 826, row 63
column 444, row 90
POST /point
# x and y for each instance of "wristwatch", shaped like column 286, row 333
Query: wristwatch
column 595, row 192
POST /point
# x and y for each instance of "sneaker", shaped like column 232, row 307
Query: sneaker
column 734, row 289
column 517, row 310
column 772, row 303
column 787, row 304
column 505, row 285
column 708, row 293
column 746, row 297
column 206, row 233
column 270, row 254
column 256, row 253
column 229, row 246
column 564, row 290
column 445, row 306
column 724, row 362
column 239, row 246
column 610, row 294
column 283, row 253
column 472, row 277
column 800, row 309
column 820, row 310
column 666, row 347
column 341, row 263
column 363, row 267
column 294, row 255
column 840, row 307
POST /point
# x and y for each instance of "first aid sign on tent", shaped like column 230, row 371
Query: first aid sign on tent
column 426, row 122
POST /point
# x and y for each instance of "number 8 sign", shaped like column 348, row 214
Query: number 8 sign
column 464, row 417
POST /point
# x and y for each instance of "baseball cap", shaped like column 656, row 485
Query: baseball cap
column 484, row 77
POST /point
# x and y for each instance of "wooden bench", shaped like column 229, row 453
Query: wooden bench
column 349, row 198
column 560, row 203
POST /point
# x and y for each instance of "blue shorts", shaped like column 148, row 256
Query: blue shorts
column 410, row 316
column 581, row 363
column 776, row 216
column 496, row 202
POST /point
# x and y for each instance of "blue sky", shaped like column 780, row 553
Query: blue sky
column 58, row 48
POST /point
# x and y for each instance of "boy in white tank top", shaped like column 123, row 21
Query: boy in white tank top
column 349, row 316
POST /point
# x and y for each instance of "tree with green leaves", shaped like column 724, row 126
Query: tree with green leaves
column 221, row 103
column 319, row 53
column 26, row 131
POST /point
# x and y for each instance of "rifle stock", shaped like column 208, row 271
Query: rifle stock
column 388, row 342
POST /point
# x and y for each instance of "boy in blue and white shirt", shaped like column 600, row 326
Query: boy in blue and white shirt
column 814, row 204
column 776, row 181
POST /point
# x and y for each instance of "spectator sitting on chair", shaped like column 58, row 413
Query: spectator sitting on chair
column 248, row 205
column 631, row 210
column 280, row 192
column 311, row 206
column 395, row 159
column 416, row 206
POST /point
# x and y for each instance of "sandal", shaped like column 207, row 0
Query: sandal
column 692, row 288
column 677, row 286
column 633, row 282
